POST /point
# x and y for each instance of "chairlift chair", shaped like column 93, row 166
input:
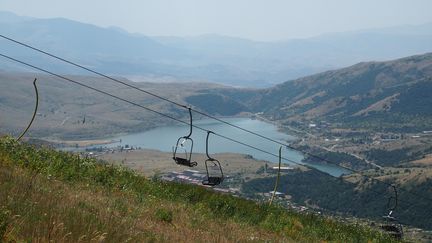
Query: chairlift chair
column 212, row 180
column 187, row 159
column 391, row 225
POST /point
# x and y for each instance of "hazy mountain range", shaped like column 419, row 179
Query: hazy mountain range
column 214, row 58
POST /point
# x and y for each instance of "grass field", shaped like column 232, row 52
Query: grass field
column 47, row 195
column 151, row 162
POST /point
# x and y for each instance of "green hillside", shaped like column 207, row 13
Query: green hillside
column 392, row 95
column 363, row 199
column 47, row 195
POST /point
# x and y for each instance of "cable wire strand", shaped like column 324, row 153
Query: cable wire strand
column 187, row 106
column 157, row 112
column 195, row 126
column 197, row 111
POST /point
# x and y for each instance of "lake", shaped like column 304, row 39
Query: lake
column 165, row 138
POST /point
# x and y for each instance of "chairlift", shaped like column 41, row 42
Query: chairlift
column 187, row 159
column 212, row 180
column 391, row 225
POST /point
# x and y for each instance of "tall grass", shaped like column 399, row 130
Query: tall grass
column 47, row 194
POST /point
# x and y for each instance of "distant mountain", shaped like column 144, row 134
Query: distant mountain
column 227, row 60
column 108, row 50
column 8, row 17
column 392, row 95
column 275, row 62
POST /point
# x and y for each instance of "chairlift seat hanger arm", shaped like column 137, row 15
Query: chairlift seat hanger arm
column 207, row 145
column 190, row 123
column 278, row 176
column 34, row 112
column 395, row 197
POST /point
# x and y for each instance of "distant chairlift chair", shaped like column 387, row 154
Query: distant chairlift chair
column 391, row 225
column 212, row 180
column 187, row 159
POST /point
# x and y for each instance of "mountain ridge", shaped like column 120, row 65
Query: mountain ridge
column 370, row 90
column 227, row 60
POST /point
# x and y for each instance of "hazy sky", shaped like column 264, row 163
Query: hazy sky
column 253, row 19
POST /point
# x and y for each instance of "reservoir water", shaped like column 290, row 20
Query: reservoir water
column 165, row 138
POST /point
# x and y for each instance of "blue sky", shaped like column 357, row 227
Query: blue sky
column 252, row 19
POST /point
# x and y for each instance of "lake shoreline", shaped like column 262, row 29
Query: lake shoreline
column 110, row 139
column 164, row 138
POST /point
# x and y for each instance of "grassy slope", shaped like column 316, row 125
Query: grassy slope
column 48, row 195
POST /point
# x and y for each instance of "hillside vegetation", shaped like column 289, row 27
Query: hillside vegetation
column 381, row 96
column 356, row 196
column 47, row 195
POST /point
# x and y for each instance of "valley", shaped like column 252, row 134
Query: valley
column 216, row 121
column 343, row 116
